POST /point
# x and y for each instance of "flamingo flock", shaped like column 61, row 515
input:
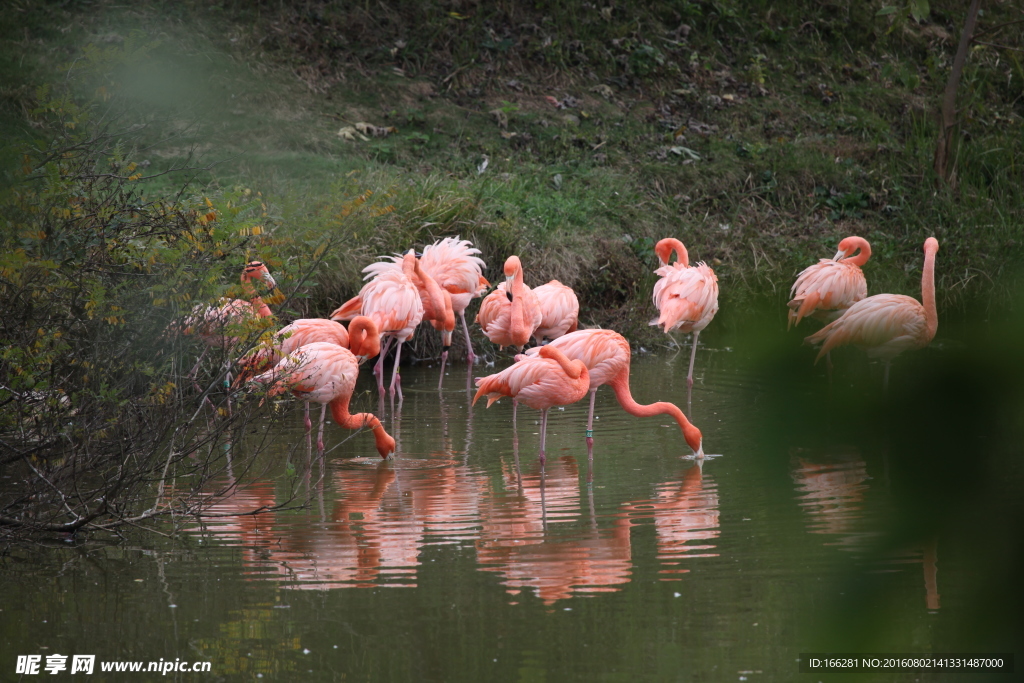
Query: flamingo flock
column 318, row 359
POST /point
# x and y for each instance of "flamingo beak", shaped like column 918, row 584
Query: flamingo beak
column 269, row 279
column 699, row 455
column 508, row 286
column 839, row 255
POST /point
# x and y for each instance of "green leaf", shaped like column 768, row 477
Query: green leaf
column 919, row 9
column 889, row 9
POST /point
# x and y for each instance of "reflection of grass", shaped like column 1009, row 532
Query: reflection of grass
column 576, row 186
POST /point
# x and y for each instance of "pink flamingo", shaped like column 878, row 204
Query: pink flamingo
column 831, row 286
column 560, row 311
column 215, row 324
column 886, row 325
column 510, row 314
column 392, row 301
column 540, row 382
column 326, row 373
column 607, row 356
column 437, row 302
column 361, row 338
column 686, row 296
column 454, row 266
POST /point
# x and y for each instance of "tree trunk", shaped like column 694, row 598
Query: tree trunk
column 947, row 120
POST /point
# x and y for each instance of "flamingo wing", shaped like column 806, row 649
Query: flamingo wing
column 560, row 310
column 826, row 288
column 686, row 298
column 884, row 325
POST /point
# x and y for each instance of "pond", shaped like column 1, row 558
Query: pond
column 463, row 560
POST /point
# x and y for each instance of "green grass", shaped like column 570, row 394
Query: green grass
column 800, row 125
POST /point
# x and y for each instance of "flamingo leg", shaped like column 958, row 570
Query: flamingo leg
column 543, row 433
column 305, row 420
column 590, row 424
column 470, row 356
column 515, row 405
column 378, row 369
column 444, row 359
column 396, row 381
column 693, row 357
column 320, row 433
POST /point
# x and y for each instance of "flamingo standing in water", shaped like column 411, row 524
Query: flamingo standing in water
column 886, row 325
column 510, row 314
column 607, row 355
column 831, row 286
column 392, row 301
column 326, row 373
column 218, row 326
column 437, row 302
column 455, row 266
column 686, row 296
column 560, row 311
column 361, row 338
column 549, row 379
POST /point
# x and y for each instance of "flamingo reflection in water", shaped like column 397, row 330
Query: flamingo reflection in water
column 832, row 494
column 686, row 517
column 515, row 542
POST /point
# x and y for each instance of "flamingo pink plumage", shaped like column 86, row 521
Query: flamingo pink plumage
column 885, row 325
column 361, row 338
column 607, row 356
column 437, row 301
column 455, row 266
column 549, row 379
column 686, row 296
column 510, row 314
column 830, row 286
column 392, row 301
column 560, row 311
column 326, row 373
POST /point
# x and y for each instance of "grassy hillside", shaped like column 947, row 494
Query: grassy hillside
column 760, row 135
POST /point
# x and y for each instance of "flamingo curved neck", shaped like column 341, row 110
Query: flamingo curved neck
column 572, row 368
column 931, row 315
column 668, row 245
column 620, row 385
column 519, row 330
column 863, row 255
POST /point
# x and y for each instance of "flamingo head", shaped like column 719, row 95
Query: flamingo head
column 363, row 338
column 852, row 244
column 694, row 439
column 258, row 270
column 931, row 245
column 385, row 443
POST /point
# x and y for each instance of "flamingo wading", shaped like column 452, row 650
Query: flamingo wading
column 542, row 381
column 607, row 355
column 686, row 296
column 886, row 325
column 326, row 373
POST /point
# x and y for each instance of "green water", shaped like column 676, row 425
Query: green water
column 460, row 560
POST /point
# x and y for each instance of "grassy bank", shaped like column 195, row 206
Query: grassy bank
column 759, row 135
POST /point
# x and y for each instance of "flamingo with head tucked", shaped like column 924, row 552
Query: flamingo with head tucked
column 886, row 325
column 326, row 373
column 392, row 301
column 511, row 313
column 686, row 296
column 607, row 356
column 455, row 266
column 831, row 286
column 542, row 381
column 560, row 311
